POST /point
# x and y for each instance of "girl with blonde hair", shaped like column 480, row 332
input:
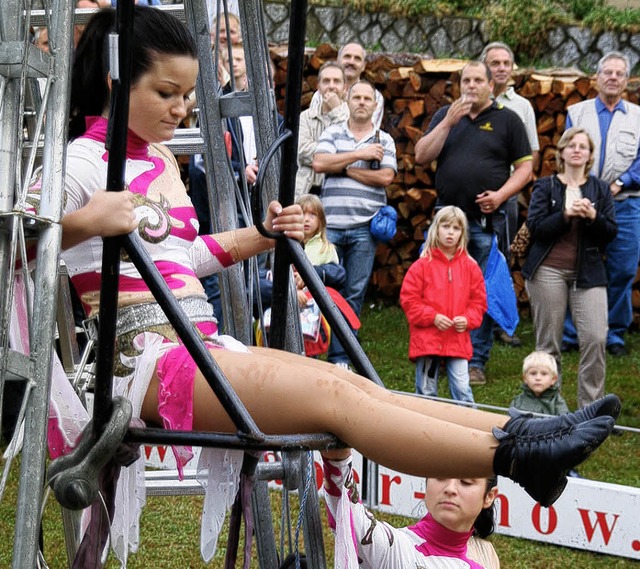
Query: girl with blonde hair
column 443, row 296
column 316, row 245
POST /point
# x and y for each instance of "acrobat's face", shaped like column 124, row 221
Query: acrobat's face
column 160, row 98
column 455, row 503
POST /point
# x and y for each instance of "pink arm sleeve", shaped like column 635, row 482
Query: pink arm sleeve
column 208, row 256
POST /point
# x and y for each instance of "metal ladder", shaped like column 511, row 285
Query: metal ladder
column 20, row 66
column 23, row 114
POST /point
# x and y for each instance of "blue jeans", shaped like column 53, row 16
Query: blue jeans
column 357, row 250
column 481, row 338
column 427, row 371
column 199, row 196
column 623, row 254
column 211, row 286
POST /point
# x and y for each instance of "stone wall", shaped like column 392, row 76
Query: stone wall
column 436, row 37
column 582, row 48
column 443, row 37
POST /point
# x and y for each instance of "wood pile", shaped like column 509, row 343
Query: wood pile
column 414, row 89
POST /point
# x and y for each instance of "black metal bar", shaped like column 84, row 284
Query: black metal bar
column 331, row 312
column 188, row 334
column 256, row 195
column 117, row 146
column 293, row 94
column 313, row 441
column 292, row 97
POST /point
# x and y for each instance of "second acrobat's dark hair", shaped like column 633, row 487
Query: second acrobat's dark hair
column 484, row 525
column 154, row 32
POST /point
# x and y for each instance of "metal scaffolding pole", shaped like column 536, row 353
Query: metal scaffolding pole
column 22, row 64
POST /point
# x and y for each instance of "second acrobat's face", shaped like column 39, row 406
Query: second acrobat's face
column 160, row 97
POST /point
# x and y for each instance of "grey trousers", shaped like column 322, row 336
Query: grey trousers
column 550, row 291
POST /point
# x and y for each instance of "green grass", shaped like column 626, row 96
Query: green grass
column 170, row 525
column 385, row 340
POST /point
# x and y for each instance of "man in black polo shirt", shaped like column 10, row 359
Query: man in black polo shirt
column 476, row 142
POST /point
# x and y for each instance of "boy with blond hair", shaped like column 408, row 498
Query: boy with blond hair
column 540, row 390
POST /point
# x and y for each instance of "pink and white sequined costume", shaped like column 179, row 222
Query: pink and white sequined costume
column 146, row 342
column 364, row 542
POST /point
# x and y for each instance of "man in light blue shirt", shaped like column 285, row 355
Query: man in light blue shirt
column 614, row 125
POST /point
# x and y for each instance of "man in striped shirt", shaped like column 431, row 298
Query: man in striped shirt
column 353, row 192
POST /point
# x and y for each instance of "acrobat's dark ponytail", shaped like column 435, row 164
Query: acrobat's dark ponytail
column 154, row 32
column 89, row 90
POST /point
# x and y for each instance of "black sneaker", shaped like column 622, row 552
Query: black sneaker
column 528, row 424
column 617, row 350
column 540, row 462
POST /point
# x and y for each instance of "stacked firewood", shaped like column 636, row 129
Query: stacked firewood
column 414, row 89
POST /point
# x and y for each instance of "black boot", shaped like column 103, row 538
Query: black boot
column 608, row 406
column 538, row 459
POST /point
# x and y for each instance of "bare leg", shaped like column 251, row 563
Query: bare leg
column 465, row 416
column 288, row 394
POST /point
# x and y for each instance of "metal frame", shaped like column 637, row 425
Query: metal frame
column 20, row 65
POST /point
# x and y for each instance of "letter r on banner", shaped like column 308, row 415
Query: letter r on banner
column 387, row 480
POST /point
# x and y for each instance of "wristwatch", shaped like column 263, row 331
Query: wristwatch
column 619, row 183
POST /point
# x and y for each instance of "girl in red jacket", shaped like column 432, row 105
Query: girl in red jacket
column 443, row 296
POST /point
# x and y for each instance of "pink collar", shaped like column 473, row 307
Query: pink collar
column 137, row 148
column 442, row 542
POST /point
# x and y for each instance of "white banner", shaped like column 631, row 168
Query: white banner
column 590, row 515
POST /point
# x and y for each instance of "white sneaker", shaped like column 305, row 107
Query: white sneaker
column 343, row 365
